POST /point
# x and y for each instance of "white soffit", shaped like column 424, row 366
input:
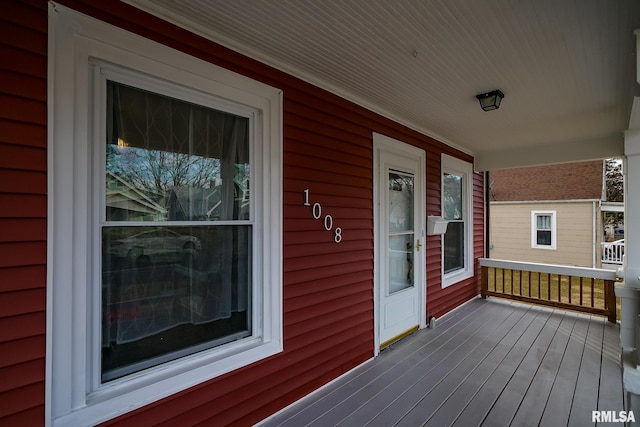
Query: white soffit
column 567, row 68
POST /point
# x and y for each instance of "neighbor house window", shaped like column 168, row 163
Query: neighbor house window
column 543, row 229
column 165, row 228
column 457, row 242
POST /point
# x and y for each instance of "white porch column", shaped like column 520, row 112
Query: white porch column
column 632, row 211
column 629, row 291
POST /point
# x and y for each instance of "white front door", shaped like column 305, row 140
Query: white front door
column 399, row 183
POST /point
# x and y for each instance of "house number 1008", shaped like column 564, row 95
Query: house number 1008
column 316, row 212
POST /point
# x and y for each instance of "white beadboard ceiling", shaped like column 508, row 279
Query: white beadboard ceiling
column 567, row 67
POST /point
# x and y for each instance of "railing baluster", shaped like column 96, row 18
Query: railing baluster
column 559, row 288
column 592, row 298
column 580, row 290
column 520, row 282
column 610, row 300
column 484, row 281
column 511, row 273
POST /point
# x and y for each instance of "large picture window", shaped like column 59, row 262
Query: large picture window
column 170, row 288
column 457, row 242
column 165, row 221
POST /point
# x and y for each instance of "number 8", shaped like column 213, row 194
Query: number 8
column 338, row 235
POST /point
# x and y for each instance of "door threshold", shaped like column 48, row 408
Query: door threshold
column 398, row 337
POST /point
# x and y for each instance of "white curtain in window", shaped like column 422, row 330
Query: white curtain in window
column 193, row 161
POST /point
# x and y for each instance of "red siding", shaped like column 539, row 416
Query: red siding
column 23, row 210
column 328, row 288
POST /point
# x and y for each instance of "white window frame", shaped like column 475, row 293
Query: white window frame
column 534, row 229
column 453, row 165
column 81, row 48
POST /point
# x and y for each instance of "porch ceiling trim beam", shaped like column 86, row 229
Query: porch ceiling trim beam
column 601, row 148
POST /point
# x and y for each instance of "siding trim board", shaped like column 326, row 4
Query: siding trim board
column 327, row 288
column 540, row 202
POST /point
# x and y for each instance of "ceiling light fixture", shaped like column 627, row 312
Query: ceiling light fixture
column 490, row 100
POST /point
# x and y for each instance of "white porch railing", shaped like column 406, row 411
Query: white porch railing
column 589, row 290
column 612, row 252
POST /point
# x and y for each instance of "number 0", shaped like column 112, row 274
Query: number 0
column 317, row 211
column 328, row 222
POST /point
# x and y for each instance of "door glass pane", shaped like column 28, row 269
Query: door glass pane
column 400, row 202
column 401, row 233
column 400, row 262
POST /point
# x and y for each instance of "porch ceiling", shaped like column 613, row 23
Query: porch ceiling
column 567, row 68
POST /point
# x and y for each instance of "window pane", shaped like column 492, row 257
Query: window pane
column 170, row 160
column 452, row 197
column 544, row 222
column 172, row 291
column 544, row 237
column 454, row 247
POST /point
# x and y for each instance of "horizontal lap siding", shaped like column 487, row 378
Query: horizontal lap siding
column 511, row 233
column 23, row 211
column 328, row 286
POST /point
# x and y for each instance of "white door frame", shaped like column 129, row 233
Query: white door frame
column 387, row 144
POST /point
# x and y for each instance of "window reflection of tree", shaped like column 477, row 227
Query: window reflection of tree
column 170, row 161
column 158, row 143
column 452, row 195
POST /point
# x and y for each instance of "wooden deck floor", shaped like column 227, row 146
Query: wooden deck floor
column 489, row 363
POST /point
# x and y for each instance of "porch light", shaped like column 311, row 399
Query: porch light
column 490, row 100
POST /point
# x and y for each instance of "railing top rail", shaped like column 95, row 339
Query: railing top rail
column 596, row 273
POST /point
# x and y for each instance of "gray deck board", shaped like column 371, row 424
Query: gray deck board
column 610, row 396
column 490, row 363
column 482, row 403
column 561, row 398
column 412, row 385
column 366, row 380
column 430, row 402
column 584, row 399
column 451, row 407
column 535, row 400
column 457, row 362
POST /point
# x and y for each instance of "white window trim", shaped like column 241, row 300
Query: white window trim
column 71, row 397
column 454, row 165
column 534, row 229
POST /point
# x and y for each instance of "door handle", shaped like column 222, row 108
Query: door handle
column 418, row 245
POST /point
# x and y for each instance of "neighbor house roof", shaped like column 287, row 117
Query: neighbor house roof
column 570, row 181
